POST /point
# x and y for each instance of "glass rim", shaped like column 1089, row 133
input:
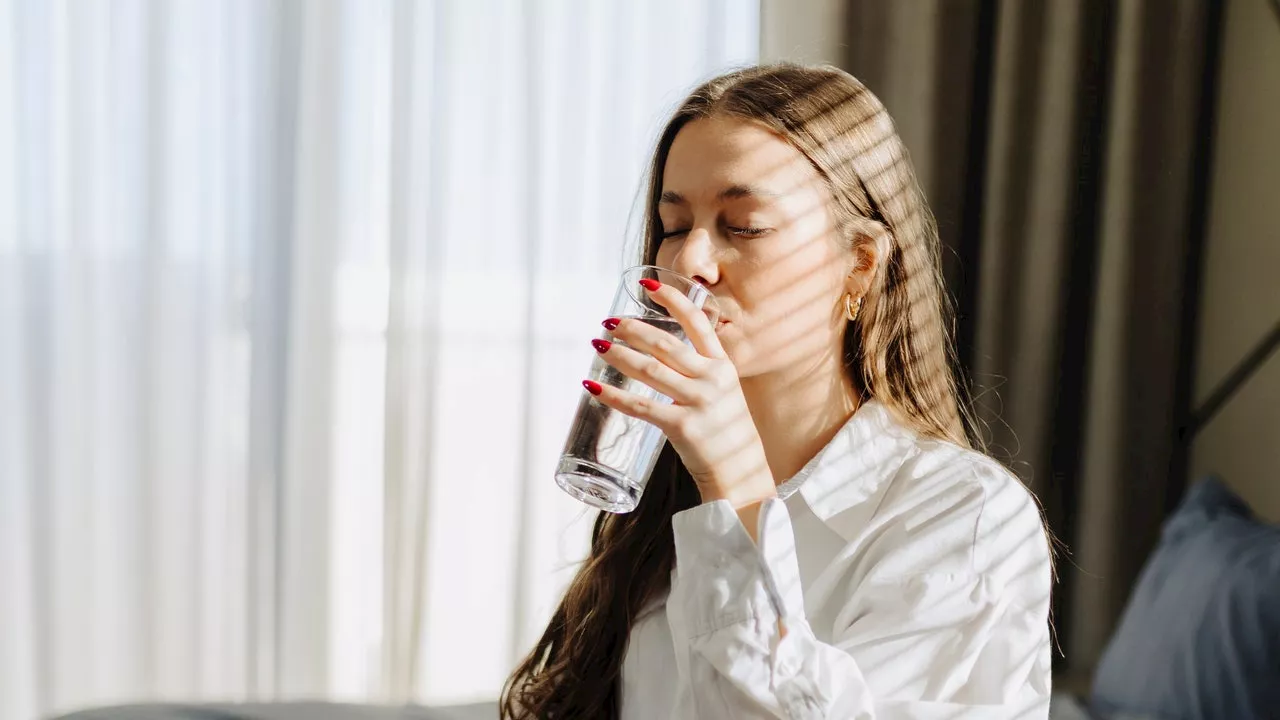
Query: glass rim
column 696, row 292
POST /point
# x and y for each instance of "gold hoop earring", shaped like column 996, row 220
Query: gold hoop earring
column 851, row 307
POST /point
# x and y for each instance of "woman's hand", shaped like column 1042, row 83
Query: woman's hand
column 708, row 423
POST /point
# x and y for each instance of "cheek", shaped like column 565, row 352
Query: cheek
column 810, row 250
column 666, row 255
column 800, row 279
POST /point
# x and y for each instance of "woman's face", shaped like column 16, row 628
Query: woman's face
column 744, row 213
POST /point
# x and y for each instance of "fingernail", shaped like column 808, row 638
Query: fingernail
column 611, row 324
column 650, row 284
column 601, row 346
column 592, row 386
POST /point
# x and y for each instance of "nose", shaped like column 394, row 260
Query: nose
column 697, row 258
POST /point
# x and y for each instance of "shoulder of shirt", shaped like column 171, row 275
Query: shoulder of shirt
column 941, row 482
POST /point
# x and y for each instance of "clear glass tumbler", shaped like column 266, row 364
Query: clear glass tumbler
column 609, row 456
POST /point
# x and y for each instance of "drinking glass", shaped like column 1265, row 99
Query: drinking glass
column 609, row 456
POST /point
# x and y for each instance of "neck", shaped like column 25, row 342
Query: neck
column 798, row 410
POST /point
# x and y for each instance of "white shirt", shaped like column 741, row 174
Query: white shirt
column 912, row 577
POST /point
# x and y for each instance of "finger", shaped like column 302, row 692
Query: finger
column 651, row 410
column 667, row 347
column 697, row 326
column 649, row 370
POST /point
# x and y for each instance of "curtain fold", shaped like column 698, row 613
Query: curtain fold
column 294, row 300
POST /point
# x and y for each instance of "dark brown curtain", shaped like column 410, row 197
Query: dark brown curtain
column 1057, row 142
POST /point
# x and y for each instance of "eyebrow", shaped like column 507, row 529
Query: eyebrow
column 733, row 192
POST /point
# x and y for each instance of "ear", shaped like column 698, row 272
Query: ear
column 869, row 250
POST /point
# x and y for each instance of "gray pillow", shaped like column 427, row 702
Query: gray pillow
column 1200, row 637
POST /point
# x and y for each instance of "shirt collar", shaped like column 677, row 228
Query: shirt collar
column 864, row 454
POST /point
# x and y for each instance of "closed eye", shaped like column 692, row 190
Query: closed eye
column 743, row 232
column 749, row 232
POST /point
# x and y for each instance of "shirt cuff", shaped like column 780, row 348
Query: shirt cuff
column 723, row 578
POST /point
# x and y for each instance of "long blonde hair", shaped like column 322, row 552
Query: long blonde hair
column 899, row 351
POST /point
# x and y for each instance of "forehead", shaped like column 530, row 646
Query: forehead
column 709, row 154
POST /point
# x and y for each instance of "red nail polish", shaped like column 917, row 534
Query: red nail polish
column 592, row 386
column 611, row 324
column 601, row 346
column 650, row 284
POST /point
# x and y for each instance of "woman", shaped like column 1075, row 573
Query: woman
column 818, row 539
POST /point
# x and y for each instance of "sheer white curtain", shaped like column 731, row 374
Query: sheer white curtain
column 294, row 299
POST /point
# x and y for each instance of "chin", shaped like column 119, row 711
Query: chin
column 738, row 350
column 741, row 358
column 729, row 342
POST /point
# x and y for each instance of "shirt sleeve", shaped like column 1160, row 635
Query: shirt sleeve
column 945, row 645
